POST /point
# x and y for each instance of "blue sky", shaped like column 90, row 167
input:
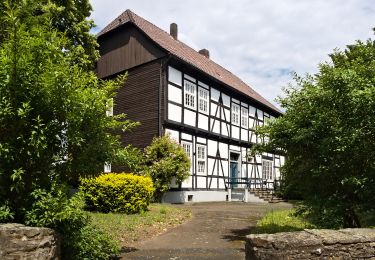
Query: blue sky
column 261, row 41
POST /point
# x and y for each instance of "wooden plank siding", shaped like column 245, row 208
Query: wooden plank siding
column 139, row 99
column 125, row 48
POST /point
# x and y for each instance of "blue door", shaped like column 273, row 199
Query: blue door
column 234, row 169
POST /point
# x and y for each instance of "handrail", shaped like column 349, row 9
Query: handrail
column 254, row 183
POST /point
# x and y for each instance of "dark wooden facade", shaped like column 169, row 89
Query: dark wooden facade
column 129, row 50
column 139, row 99
column 123, row 49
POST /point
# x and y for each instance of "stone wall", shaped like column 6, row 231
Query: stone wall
column 21, row 242
column 313, row 244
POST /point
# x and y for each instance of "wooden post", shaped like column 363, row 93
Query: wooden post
column 229, row 194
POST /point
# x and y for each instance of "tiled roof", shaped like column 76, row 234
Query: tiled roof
column 187, row 54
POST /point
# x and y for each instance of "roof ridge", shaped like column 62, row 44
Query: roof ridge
column 187, row 54
column 185, row 45
column 130, row 15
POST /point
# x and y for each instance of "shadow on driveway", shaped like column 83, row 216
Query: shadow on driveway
column 216, row 231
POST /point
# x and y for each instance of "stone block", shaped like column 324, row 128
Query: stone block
column 22, row 242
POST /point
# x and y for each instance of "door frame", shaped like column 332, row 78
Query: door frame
column 239, row 172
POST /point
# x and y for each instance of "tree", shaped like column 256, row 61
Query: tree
column 165, row 161
column 328, row 136
column 65, row 16
column 53, row 123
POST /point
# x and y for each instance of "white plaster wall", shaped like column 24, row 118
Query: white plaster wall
column 201, row 182
column 235, row 132
column 213, row 109
column 187, row 136
column 224, row 129
column 211, row 147
column 189, row 117
column 173, row 134
column 174, row 113
column 244, row 135
column 174, row 94
column 174, row 76
column 215, row 126
column 215, row 94
column 203, row 121
column 187, row 183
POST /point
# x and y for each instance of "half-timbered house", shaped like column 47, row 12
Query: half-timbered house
column 174, row 89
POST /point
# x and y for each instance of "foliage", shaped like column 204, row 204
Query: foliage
column 80, row 240
column 135, row 227
column 165, row 161
column 6, row 214
column 327, row 133
column 132, row 158
column 117, row 192
column 53, row 123
column 65, row 16
column 282, row 221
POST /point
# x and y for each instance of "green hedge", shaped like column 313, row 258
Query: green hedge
column 117, row 192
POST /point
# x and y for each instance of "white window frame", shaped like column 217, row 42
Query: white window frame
column 201, row 159
column 190, row 152
column 244, row 117
column 190, row 94
column 109, row 105
column 107, row 168
column 267, row 170
column 235, row 114
column 203, row 96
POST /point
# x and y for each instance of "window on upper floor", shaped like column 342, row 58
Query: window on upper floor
column 190, row 94
column 203, row 100
column 201, row 159
column 187, row 148
column 244, row 117
column 267, row 172
column 235, row 114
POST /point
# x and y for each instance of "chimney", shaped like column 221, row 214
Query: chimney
column 173, row 31
column 205, row 53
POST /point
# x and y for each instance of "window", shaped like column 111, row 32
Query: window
column 201, row 158
column 109, row 106
column 189, row 94
column 187, row 148
column 107, row 167
column 235, row 114
column 203, row 100
column 244, row 117
column 267, row 170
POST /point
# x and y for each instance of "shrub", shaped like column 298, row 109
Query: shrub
column 80, row 240
column 166, row 160
column 117, row 192
column 282, row 221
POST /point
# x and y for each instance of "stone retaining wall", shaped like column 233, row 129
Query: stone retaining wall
column 313, row 244
column 21, row 242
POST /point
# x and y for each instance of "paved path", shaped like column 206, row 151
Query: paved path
column 216, row 231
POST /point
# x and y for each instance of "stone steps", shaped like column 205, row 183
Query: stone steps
column 266, row 195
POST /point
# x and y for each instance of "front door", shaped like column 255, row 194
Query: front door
column 234, row 169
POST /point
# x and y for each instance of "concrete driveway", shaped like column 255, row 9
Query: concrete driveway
column 216, row 231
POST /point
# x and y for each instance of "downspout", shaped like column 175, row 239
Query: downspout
column 162, row 95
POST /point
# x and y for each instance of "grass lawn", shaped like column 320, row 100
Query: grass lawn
column 285, row 221
column 128, row 229
column 281, row 221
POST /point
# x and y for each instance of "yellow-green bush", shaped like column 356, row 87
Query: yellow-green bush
column 117, row 192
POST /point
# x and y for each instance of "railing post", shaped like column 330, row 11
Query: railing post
column 246, row 195
column 229, row 194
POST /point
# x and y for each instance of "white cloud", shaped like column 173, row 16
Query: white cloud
column 260, row 41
